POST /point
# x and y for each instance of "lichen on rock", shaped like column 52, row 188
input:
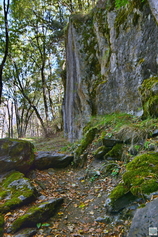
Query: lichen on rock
column 16, row 190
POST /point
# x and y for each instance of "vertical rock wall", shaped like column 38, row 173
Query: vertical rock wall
column 109, row 54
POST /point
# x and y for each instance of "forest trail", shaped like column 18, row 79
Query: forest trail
column 83, row 211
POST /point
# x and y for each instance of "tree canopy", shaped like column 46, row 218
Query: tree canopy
column 32, row 62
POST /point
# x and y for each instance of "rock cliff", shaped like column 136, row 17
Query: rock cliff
column 109, row 53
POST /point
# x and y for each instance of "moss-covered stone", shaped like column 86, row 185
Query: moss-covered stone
column 1, row 225
column 100, row 152
column 16, row 154
column 87, row 139
column 119, row 191
column 115, row 152
column 149, row 93
column 37, row 214
column 140, row 178
column 16, row 190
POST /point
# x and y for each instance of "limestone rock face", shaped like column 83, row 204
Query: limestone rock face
column 109, row 53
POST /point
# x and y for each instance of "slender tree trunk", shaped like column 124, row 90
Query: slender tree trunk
column 9, row 119
column 11, row 122
column 6, row 9
column 44, row 91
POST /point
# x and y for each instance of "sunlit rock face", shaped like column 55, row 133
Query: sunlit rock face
column 109, row 53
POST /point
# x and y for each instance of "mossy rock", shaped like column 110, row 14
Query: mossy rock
column 16, row 154
column 85, row 142
column 1, row 225
column 115, row 152
column 37, row 214
column 149, row 93
column 140, row 178
column 100, row 152
column 119, row 191
column 16, row 190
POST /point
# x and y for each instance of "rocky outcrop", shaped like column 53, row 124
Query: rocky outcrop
column 109, row 53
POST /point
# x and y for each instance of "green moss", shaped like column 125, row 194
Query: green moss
column 99, row 149
column 15, row 175
column 88, row 138
column 17, row 194
column 116, row 151
column 36, row 214
column 140, row 178
column 118, row 192
column 147, row 160
column 149, row 97
column 142, row 175
column 19, row 222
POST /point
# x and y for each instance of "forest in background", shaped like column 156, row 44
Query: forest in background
column 32, row 70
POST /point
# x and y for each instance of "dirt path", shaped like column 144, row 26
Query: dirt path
column 83, row 211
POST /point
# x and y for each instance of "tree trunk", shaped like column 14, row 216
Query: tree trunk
column 6, row 9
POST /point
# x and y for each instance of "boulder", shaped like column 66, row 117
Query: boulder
column 15, row 191
column 145, row 221
column 16, row 154
column 48, row 159
column 36, row 214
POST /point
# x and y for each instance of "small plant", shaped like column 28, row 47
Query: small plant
column 39, row 225
column 92, row 179
column 137, row 147
column 115, row 172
